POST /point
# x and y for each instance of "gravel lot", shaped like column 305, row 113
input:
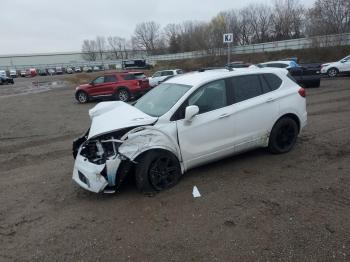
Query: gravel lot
column 254, row 207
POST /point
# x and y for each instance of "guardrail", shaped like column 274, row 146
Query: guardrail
column 301, row 43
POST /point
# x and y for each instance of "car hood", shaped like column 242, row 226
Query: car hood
column 112, row 116
column 84, row 86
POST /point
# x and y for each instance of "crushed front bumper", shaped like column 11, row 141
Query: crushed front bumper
column 88, row 175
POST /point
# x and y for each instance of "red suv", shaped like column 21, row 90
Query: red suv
column 122, row 86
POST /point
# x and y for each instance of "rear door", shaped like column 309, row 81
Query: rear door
column 110, row 83
column 255, row 108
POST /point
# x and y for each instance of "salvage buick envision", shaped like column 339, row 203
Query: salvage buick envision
column 185, row 122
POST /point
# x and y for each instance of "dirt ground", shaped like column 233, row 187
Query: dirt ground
column 254, row 207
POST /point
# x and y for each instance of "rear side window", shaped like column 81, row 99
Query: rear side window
column 179, row 72
column 140, row 76
column 245, row 87
column 110, row 78
column 273, row 81
column 129, row 77
column 167, row 73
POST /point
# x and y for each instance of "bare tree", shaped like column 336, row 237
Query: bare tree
column 259, row 17
column 329, row 17
column 117, row 46
column 147, row 36
column 101, row 46
column 89, row 50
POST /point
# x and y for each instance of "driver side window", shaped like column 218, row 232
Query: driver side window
column 210, row 97
column 99, row 80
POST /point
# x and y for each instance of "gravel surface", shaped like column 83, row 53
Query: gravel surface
column 254, row 207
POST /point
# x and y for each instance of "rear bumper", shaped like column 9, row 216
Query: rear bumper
column 141, row 92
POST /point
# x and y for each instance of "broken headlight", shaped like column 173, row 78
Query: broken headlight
column 98, row 151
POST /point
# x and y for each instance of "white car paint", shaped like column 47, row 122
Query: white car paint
column 161, row 75
column 204, row 138
column 342, row 66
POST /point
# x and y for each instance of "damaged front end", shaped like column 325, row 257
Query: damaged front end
column 97, row 161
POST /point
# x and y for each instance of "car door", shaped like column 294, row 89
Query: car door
column 97, row 87
column 255, row 108
column 344, row 65
column 209, row 134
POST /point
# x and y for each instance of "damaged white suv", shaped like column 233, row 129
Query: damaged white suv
column 188, row 121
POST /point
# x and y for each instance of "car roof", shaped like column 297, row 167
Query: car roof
column 198, row 78
column 286, row 62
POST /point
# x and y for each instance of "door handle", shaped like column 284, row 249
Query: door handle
column 224, row 115
column 271, row 99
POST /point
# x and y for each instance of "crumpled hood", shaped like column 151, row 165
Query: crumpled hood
column 112, row 116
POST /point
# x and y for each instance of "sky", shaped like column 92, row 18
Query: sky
column 40, row 26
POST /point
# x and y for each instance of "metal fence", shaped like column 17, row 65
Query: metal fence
column 75, row 58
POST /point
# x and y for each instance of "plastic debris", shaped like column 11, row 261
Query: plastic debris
column 195, row 192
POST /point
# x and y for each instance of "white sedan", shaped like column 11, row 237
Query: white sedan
column 185, row 122
column 159, row 76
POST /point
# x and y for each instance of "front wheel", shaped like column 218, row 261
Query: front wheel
column 157, row 170
column 82, row 97
column 283, row 136
column 332, row 72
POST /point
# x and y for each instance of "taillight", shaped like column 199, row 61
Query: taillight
column 302, row 92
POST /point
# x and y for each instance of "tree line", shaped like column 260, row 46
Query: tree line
column 255, row 23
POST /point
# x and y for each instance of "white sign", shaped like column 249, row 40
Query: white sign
column 228, row 38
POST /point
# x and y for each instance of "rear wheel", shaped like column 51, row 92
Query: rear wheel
column 82, row 97
column 283, row 136
column 333, row 72
column 157, row 170
column 123, row 95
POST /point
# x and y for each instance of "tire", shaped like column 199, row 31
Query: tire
column 332, row 72
column 82, row 97
column 123, row 95
column 157, row 170
column 283, row 136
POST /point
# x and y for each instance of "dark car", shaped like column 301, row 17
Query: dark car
column 122, row 86
column 237, row 65
column 6, row 80
column 42, row 72
column 135, row 64
column 304, row 75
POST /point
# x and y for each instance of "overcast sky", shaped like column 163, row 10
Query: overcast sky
column 33, row 26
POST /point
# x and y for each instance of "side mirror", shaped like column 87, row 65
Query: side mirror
column 92, row 83
column 190, row 112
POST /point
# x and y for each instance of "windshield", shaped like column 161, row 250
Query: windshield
column 160, row 99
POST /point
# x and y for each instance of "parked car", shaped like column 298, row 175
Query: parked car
column 334, row 68
column 31, row 72
column 87, row 69
column 59, row 70
column 4, row 79
column 77, row 69
column 51, row 71
column 161, row 75
column 69, row 70
column 23, row 73
column 186, row 122
column 304, row 76
column 122, row 86
column 135, row 64
column 13, row 73
column 42, row 72
column 96, row 68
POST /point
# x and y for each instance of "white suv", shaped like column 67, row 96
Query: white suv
column 159, row 76
column 188, row 121
column 334, row 68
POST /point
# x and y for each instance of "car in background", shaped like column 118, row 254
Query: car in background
column 190, row 120
column 13, row 73
column 122, row 86
column 42, row 72
column 51, row 71
column 334, row 68
column 69, row 70
column 23, row 73
column 96, row 68
column 4, row 79
column 87, row 69
column 237, row 64
column 135, row 64
column 59, row 70
column 77, row 69
column 304, row 76
column 161, row 75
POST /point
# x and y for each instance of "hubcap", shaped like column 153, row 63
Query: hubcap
column 82, row 97
column 163, row 173
column 286, row 136
column 123, row 95
column 332, row 72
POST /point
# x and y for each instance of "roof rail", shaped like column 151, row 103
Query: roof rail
column 213, row 68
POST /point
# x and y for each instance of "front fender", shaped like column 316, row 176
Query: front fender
column 142, row 139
